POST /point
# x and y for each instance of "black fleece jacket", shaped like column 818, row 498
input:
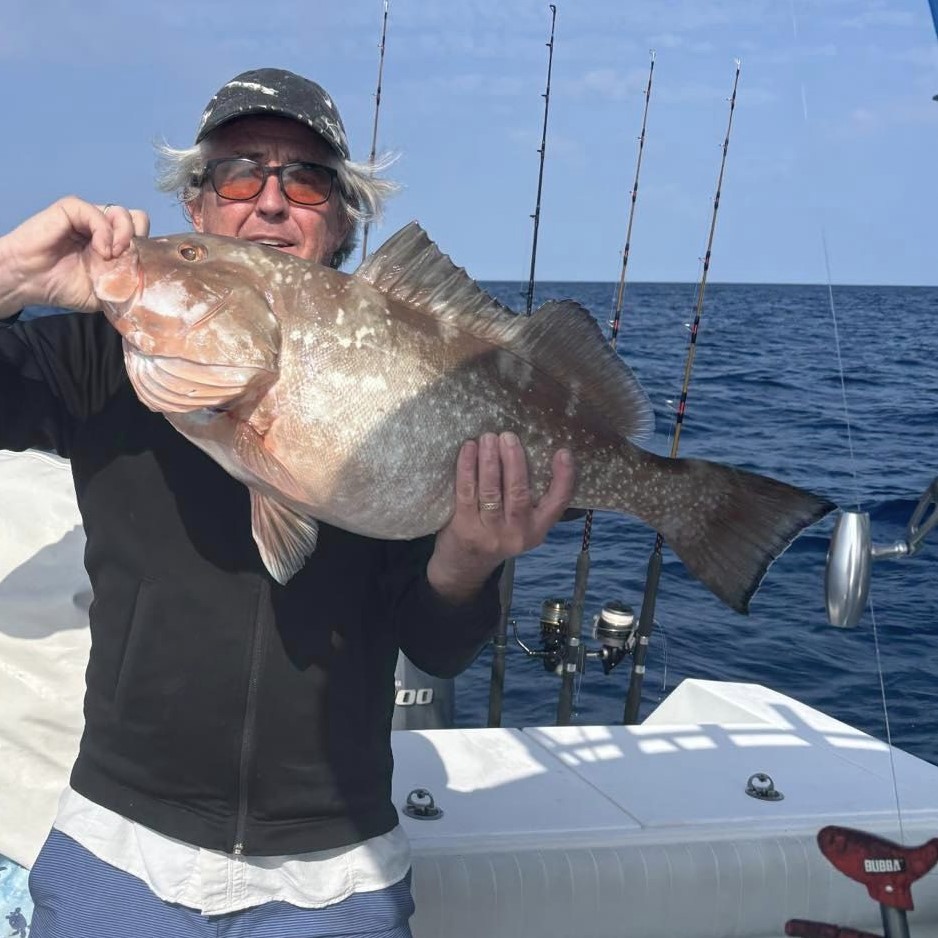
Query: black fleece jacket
column 221, row 708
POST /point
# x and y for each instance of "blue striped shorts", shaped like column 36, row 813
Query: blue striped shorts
column 76, row 894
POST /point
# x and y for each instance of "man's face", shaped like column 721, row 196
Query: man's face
column 313, row 232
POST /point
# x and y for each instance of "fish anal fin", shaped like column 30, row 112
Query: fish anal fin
column 284, row 537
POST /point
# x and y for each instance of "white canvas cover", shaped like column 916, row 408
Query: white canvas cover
column 44, row 641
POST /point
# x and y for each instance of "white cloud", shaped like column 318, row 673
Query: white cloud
column 604, row 83
column 885, row 116
column 880, row 16
column 672, row 41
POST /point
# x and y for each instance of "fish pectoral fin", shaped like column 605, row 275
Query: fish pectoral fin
column 284, row 537
column 250, row 451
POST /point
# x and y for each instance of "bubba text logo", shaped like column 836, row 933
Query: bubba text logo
column 884, row 865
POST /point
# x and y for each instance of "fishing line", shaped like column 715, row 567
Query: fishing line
column 849, row 433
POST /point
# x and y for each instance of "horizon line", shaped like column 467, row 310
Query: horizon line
column 725, row 283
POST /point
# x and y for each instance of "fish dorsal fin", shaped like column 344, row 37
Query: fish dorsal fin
column 561, row 338
column 410, row 268
column 567, row 342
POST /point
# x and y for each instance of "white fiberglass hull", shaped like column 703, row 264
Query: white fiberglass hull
column 547, row 832
column 647, row 831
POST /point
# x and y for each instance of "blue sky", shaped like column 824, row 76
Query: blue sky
column 835, row 131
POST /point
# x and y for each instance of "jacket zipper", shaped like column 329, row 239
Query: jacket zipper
column 250, row 715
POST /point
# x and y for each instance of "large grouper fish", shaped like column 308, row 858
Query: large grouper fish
column 344, row 399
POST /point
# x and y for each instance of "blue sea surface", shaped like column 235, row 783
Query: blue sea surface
column 767, row 394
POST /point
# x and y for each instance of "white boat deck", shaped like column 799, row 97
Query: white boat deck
column 647, row 831
column 547, row 832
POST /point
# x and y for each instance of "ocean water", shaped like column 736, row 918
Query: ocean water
column 767, row 393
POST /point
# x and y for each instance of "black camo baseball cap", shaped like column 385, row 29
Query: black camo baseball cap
column 276, row 91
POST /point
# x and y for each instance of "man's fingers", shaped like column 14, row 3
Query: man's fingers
column 467, row 491
column 551, row 507
column 141, row 223
column 515, row 483
column 112, row 228
column 490, row 474
column 124, row 224
column 492, row 484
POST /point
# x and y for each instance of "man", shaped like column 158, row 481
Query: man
column 234, row 770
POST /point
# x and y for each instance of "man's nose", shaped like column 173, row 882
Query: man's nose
column 271, row 200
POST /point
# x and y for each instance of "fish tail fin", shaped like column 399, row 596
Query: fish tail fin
column 728, row 525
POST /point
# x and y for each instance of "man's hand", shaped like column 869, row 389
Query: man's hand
column 40, row 261
column 496, row 516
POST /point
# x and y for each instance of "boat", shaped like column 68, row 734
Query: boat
column 730, row 811
column 702, row 821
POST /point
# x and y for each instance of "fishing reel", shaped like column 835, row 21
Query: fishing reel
column 614, row 627
column 852, row 552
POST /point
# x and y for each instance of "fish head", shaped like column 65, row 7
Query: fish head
column 196, row 315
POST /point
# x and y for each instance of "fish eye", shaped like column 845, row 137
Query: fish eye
column 192, row 252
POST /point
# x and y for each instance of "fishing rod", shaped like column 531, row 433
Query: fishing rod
column 653, row 575
column 506, row 584
column 374, row 129
column 933, row 6
column 620, row 292
column 575, row 650
column 542, row 151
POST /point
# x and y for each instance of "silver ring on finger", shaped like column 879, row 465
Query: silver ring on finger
column 106, row 208
column 490, row 506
